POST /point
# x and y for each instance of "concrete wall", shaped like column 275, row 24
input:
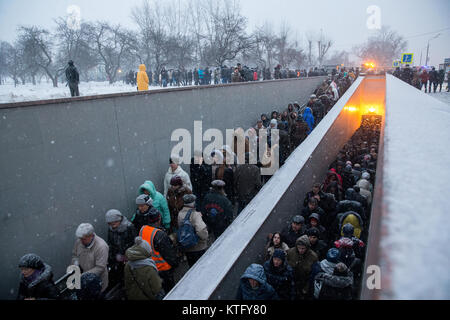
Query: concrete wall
column 68, row 161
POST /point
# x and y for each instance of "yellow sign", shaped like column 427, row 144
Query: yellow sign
column 396, row 63
column 407, row 58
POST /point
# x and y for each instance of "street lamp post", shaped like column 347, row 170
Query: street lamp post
column 428, row 47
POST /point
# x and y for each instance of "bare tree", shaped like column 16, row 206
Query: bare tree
column 40, row 50
column 383, row 47
column 221, row 34
column 73, row 44
column 10, row 58
column 110, row 44
column 323, row 45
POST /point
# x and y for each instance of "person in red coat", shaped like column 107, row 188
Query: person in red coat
column 424, row 79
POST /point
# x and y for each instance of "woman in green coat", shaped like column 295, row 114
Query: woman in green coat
column 142, row 281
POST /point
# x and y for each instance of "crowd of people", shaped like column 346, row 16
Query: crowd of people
column 138, row 259
column 218, row 75
column 319, row 255
column 420, row 77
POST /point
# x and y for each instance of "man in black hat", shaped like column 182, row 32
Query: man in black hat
column 73, row 79
column 217, row 210
column 293, row 231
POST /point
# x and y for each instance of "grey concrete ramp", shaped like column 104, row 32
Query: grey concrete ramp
column 67, row 161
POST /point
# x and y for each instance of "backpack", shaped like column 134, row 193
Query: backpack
column 187, row 237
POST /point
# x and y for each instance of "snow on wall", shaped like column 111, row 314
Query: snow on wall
column 416, row 176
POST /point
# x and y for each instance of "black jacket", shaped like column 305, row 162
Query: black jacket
column 41, row 288
column 72, row 75
column 120, row 239
column 164, row 246
column 201, row 177
column 289, row 236
column 217, row 211
column 281, row 279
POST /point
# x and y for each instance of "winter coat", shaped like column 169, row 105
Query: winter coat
column 424, row 76
column 93, row 259
column 164, row 245
column 333, row 286
column 72, row 75
column 176, row 203
column 289, row 236
column 228, row 178
column 140, row 219
column 350, row 205
column 433, row 76
column 201, row 177
column 141, row 278
column 263, row 292
column 247, row 181
column 306, row 212
column 301, row 264
column 159, row 202
column 298, row 132
column 217, row 211
column 120, row 239
column 42, row 287
column 320, row 248
column 142, row 78
column 199, row 225
column 354, row 219
column 178, row 172
column 269, row 249
column 281, row 279
column 309, row 119
column 311, row 194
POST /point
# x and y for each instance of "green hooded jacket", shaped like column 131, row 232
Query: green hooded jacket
column 159, row 202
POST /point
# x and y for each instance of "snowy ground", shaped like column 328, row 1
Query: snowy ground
column 29, row 92
column 415, row 194
column 443, row 96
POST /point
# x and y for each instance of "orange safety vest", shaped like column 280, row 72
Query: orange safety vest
column 147, row 233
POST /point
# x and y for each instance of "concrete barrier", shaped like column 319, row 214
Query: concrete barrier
column 68, row 161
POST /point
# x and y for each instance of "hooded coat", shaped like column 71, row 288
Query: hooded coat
column 41, row 286
column 159, row 202
column 263, row 292
column 141, row 278
column 309, row 119
column 142, row 78
column 281, row 279
column 335, row 286
column 302, row 265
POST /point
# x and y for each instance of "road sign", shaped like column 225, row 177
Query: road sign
column 396, row 63
column 407, row 58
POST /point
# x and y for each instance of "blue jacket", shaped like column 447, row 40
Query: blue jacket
column 263, row 292
column 308, row 118
column 159, row 202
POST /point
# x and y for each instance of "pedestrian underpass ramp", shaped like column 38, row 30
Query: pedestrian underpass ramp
column 216, row 274
column 408, row 251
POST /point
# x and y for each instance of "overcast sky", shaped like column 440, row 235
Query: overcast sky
column 344, row 21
